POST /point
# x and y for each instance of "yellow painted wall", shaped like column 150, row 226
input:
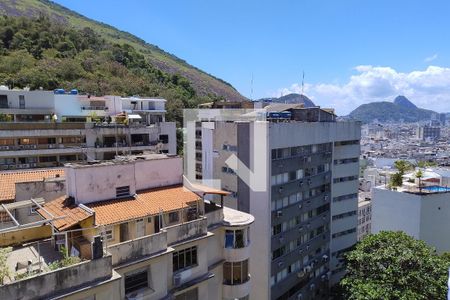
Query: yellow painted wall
column 21, row 236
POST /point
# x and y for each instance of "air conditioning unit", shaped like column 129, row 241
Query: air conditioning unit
column 176, row 280
column 307, row 247
column 300, row 274
column 300, row 206
column 300, row 296
column 307, row 269
column 323, row 277
column 312, row 287
column 280, row 264
column 325, row 257
column 325, row 198
column 280, row 190
column 279, row 213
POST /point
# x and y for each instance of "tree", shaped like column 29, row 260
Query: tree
column 393, row 265
column 402, row 166
column 396, row 179
column 419, row 175
column 4, row 268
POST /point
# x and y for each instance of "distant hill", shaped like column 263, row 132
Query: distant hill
column 404, row 102
column 400, row 109
column 43, row 44
column 291, row 99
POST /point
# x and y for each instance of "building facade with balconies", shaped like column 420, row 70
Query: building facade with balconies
column 46, row 129
column 158, row 239
column 306, row 216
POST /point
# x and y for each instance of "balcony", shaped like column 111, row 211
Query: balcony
column 104, row 108
column 138, row 248
column 50, row 284
column 237, row 291
column 237, row 254
column 185, row 231
column 40, row 126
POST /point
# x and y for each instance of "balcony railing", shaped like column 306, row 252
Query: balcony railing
column 94, row 108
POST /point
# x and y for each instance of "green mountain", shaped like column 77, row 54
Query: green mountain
column 43, row 44
column 401, row 109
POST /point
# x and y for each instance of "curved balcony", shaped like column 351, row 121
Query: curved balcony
column 237, row 290
column 237, row 254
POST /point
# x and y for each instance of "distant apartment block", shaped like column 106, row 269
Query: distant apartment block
column 428, row 132
column 140, row 234
column 307, row 217
column 40, row 129
column 364, row 217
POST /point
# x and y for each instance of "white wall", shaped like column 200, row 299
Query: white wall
column 98, row 182
column 33, row 99
column 392, row 210
column 435, row 221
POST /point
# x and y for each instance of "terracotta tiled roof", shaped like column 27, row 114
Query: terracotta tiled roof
column 9, row 179
column 147, row 202
column 61, row 207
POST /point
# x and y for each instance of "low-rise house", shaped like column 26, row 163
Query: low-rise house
column 146, row 235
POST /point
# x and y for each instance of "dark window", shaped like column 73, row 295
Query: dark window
column 4, row 101
column 185, row 259
column 173, row 217
column 164, row 138
column 136, row 281
column 189, row 295
column 21, row 101
column 235, row 272
column 122, row 191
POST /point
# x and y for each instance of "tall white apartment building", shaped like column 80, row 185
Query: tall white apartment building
column 47, row 129
column 306, row 215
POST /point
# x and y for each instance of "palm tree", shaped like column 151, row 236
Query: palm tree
column 419, row 175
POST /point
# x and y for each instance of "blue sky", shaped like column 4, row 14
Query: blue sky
column 352, row 52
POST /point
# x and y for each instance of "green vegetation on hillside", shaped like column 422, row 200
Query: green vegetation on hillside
column 387, row 111
column 203, row 83
column 40, row 53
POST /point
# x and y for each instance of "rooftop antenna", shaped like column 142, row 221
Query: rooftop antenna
column 303, row 82
column 251, row 91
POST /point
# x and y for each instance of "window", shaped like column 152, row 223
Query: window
column 345, row 197
column 136, row 281
column 345, row 143
column 189, row 295
column 344, row 215
column 21, row 101
column 236, row 238
column 109, row 233
column 173, row 217
column 344, row 179
column 164, row 138
column 276, row 229
column 346, row 161
column 185, row 259
column 278, row 252
column 235, row 272
column 122, row 191
column 342, row 233
column 4, row 101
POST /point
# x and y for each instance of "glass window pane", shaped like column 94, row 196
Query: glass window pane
column 229, row 239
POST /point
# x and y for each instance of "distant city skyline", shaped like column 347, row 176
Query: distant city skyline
column 352, row 52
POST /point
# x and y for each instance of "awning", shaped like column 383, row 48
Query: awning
column 134, row 117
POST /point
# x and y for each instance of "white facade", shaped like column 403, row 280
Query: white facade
column 423, row 216
column 221, row 140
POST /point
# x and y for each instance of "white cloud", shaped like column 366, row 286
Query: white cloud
column 431, row 58
column 429, row 88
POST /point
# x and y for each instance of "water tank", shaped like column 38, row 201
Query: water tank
column 59, row 91
column 74, row 92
